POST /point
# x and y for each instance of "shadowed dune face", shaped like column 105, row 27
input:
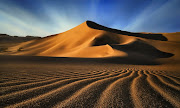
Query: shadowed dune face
column 106, row 39
column 91, row 40
column 147, row 36
column 141, row 47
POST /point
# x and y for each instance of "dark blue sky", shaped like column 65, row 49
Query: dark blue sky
column 46, row 17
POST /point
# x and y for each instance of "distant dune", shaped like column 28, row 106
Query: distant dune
column 9, row 41
column 92, row 66
column 7, row 38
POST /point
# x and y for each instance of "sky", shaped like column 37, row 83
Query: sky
column 47, row 17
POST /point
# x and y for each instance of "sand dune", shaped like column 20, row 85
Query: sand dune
column 92, row 66
column 91, row 40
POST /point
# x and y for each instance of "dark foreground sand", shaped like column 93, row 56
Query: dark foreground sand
column 45, row 82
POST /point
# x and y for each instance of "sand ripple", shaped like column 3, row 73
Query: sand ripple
column 90, row 88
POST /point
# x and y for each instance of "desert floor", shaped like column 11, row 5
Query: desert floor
column 83, row 83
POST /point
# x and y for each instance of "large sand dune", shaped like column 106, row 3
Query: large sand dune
column 92, row 66
column 91, row 40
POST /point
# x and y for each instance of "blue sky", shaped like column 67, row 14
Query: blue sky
column 46, row 17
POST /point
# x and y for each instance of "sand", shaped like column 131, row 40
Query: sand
column 92, row 66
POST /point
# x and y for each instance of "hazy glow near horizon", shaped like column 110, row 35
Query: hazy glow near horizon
column 46, row 17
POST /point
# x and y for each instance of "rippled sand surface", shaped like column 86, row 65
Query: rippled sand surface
column 87, row 85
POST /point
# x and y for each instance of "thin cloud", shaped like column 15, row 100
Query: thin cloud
column 156, row 18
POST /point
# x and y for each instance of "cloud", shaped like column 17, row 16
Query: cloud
column 21, row 21
column 11, row 29
column 157, row 18
column 58, row 19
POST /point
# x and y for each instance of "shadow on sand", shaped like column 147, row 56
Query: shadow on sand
column 141, row 48
column 133, row 58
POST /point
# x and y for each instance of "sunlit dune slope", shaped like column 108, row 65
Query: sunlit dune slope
column 91, row 40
